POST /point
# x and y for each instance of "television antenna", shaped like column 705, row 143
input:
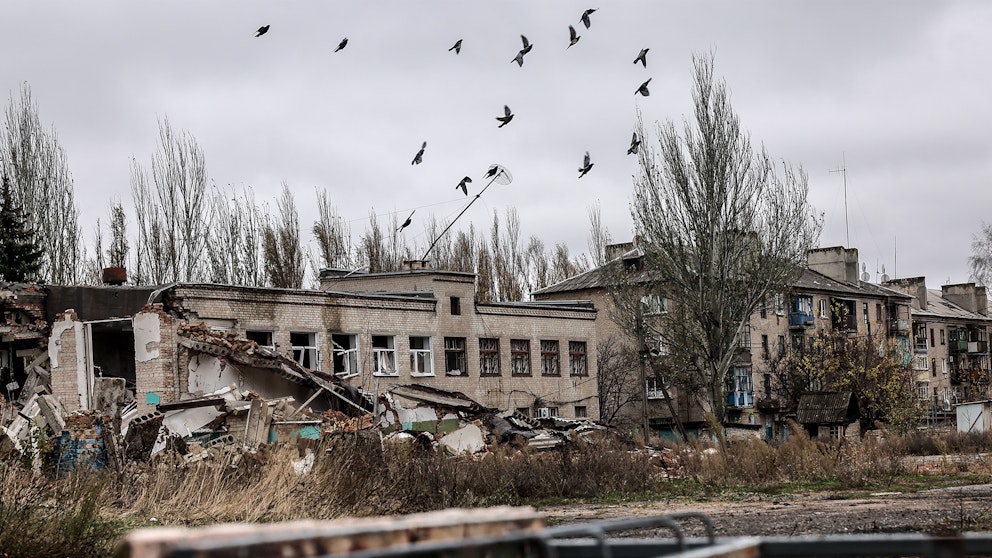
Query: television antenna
column 864, row 272
column 884, row 276
column 499, row 174
column 843, row 171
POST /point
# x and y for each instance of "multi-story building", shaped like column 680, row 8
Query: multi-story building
column 949, row 343
column 827, row 296
column 367, row 331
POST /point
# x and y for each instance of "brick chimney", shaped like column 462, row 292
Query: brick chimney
column 115, row 276
column 915, row 287
column 416, row 264
column 968, row 296
column 836, row 262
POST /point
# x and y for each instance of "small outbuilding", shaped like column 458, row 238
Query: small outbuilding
column 829, row 414
column 975, row 416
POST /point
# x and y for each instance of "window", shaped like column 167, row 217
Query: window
column 520, row 357
column 550, row 361
column 933, row 367
column 344, row 352
column 878, row 312
column 766, row 380
column 454, row 356
column 764, row 346
column 781, row 345
column 456, row 306
column 547, row 412
column 746, row 337
column 580, row 411
column 920, row 362
column 943, row 366
column 305, row 349
column 263, row 338
column 742, row 394
column 653, row 388
column 835, row 431
column 421, row 357
column 864, row 311
column 764, row 311
column 577, row 358
column 932, row 337
column 384, row 355
column 924, row 390
column 525, row 411
column 654, row 304
column 943, row 339
column 780, row 304
column 488, row 357
column 824, row 308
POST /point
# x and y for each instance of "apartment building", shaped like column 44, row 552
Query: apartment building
column 949, row 343
column 828, row 295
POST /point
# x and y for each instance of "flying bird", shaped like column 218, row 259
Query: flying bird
column 457, row 47
column 527, row 45
column 407, row 222
column 342, row 44
column 586, row 166
column 635, row 142
column 642, row 57
column 573, row 37
column 262, row 30
column 419, row 157
column 643, row 89
column 585, row 17
column 505, row 119
column 519, row 59
column 463, row 186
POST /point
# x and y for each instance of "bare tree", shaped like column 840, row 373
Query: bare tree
column 721, row 230
column 41, row 184
column 236, row 239
column 599, row 236
column 981, row 255
column 618, row 379
column 507, row 259
column 118, row 250
column 332, row 234
column 283, row 252
column 174, row 216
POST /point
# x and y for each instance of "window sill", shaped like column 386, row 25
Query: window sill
column 421, row 374
column 386, row 374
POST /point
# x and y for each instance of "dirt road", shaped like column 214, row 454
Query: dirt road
column 938, row 511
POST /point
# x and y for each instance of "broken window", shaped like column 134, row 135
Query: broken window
column 488, row 356
column 421, row 358
column 263, row 338
column 384, row 355
column 742, row 392
column 520, row 357
column 305, row 349
column 525, row 411
column 653, row 304
column 454, row 356
column 580, row 411
column 550, row 361
column 344, row 349
column 456, row 305
column 577, row 365
column 652, row 387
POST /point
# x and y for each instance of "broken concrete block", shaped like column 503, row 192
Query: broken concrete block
column 467, row 439
column 142, row 435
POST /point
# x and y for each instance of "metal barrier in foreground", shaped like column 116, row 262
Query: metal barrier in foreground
column 521, row 532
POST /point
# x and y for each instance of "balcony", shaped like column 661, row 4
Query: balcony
column 899, row 326
column 955, row 346
column 740, row 399
column 978, row 347
column 920, row 345
column 800, row 319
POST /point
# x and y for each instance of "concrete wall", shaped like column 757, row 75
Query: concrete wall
column 836, row 262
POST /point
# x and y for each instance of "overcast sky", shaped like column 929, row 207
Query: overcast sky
column 900, row 91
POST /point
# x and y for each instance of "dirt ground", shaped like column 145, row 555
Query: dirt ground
column 938, row 511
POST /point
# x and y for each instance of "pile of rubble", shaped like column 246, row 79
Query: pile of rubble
column 236, row 420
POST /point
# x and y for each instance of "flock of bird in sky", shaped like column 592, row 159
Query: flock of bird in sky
column 573, row 37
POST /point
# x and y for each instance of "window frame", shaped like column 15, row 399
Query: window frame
column 423, row 355
column 309, row 351
column 550, row 357
column 520, row 357
column 455, row 350
column 389, row 352
column 578, row 358
column 348, row 357
column 489, row 357
column 271, row 345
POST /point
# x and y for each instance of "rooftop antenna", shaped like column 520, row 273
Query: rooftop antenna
column 864, row 272
column 498, row 174
column 884, row 276
column 843, row 171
